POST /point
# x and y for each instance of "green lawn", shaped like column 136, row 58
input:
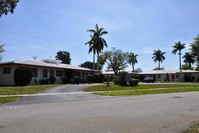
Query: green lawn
column 143, row 89
column 194, row 129
column 14, row 90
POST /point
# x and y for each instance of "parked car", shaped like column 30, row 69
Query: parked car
column 148, row 80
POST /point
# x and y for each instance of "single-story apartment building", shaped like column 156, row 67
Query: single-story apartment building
column 41, row 70
column 162, row 75
column 170, row 75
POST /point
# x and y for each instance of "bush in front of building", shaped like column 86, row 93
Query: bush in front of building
column 122, row 78
column 22, row 76
column 98, row 78
column 90, row 78
column 52, row 79
column 133, row 82
column 189, row 78
column 115, row 81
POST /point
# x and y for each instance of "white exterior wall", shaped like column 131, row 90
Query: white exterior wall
column 40, row 75
column 7, row 79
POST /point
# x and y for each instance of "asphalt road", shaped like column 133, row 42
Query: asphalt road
column 163, row 113
column 58, row 94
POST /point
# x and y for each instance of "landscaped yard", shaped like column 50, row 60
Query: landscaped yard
column 143, row 89
column 14, row 90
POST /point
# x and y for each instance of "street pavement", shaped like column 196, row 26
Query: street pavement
column 162, row 113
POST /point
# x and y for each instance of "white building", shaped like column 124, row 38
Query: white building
column 171, row 75
column 41, row 70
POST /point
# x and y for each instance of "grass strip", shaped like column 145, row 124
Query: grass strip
column 8, row 99
column 113, row 87
column 14, row 90
column 145, row 92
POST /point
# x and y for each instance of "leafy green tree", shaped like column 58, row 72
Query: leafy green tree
column 132, row 59
column 186, row 67
column 189, row 59
column 2, row 50
column 195, row 48
column 158, row 56
column 97, row 42
column 115, row 59
column 7, row 6
column 178, row 48
column 64, row 56
column 89, row 65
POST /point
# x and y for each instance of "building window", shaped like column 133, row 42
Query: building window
column 45, row 73
column 34, row 72
column 159, row 76
column 6, row 70
column 59, row 73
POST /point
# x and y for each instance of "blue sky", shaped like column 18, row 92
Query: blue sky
column 43, row 27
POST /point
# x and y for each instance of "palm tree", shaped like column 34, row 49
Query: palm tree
column 189, row 59
column 158, row 55
column 2, row 50
column 177, row 48
column 132, row 59
column 96, row 43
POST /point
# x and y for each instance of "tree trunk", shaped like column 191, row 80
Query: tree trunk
column 158, row 65
column 180, row 61
column 97, row 62
column 133, row 70
column 189, row 65
column 93, row 61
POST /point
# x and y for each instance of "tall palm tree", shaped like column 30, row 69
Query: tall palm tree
column 132, row 59
column 158, row 55
column 189, row 59
column 96, row 43
column 2, row 50
column 177, row 48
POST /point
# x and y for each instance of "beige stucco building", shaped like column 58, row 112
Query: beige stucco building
column 41, row 70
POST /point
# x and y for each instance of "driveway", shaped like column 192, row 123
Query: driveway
column 58, row 94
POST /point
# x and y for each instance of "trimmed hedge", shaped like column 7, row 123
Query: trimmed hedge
column 22, row 76
column 133, row 82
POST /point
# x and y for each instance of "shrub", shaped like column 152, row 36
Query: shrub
column 72, row 81
column 115, row 80
column 83, row 80
column 63, row 80
column 52, row 79
column 96, row 78
column 122, row 78
column 90, row 78
column 22, row 76
column 189, row 78
column 76, row 80
column 133, row 82
column 101, row 78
